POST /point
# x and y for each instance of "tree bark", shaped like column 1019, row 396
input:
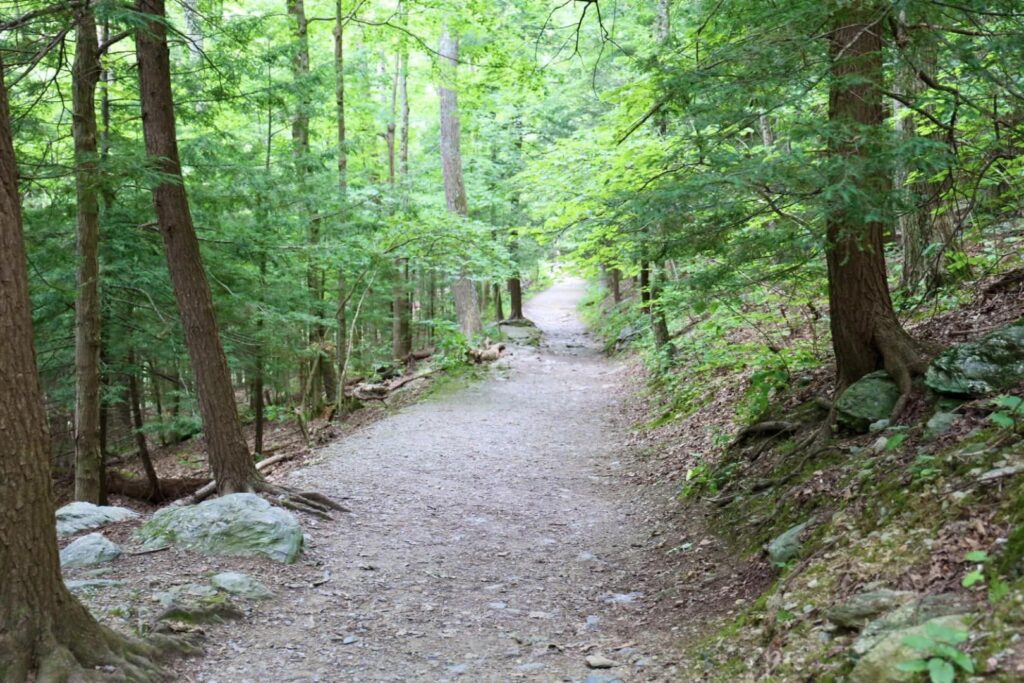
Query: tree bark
column 230, row 460
column 138, row 422
column 467, row 308
column 515, row 299
column 499, row 313
column 866, row 334
column 85, row 77
column 45, row 633
column 927, row 230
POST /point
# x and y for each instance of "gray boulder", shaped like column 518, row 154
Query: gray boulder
column 80, row 516
column 938, row 424
column 993, row 363
column 240, row 524
column 909, row 614
column 786, row 545
column 880, row 663
column 868, row 400
column 520, row 332
column 241, row 585
column 863, row 607
column 89, row 550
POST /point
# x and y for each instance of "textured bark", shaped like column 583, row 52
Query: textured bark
column 230, row 460
column 614, row 277
column 45, row 633
column 138, row 422
column 401, row 330
column 467, row 308
column 341, row 317
column 932, row 221
column 85, row 76
column 499, row 313
column 866, row 334
column 515, row 299
column 322, row 382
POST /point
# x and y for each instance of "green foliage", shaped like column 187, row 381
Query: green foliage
column 940, row 657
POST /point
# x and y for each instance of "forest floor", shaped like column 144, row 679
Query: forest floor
column 495, row 534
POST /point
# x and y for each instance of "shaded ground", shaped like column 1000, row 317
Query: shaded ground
column 489, row 539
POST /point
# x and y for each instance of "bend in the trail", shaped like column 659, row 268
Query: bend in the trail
column 488, row 539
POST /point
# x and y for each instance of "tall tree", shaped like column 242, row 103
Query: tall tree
column 232, row 465
column 85, row 77
column 467, row 308
column 45, row 633
column 866, row 334
column 321, row 379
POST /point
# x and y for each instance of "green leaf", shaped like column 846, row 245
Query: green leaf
column 913, row 666
column 1002, row 419
column 894, row 441
column 919, row 642
column 945, row 634
column 977, row 556
column 997, row 590
column 1014, row 403
column 972, row 578
column 940, row 671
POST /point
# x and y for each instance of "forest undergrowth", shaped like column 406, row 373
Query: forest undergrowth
column 777, row 541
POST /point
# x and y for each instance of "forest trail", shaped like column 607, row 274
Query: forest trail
column 490, row 539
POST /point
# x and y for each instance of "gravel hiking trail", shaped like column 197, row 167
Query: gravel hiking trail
column 490, row 539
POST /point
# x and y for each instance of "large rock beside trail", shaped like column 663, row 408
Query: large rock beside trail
column 869, row 399
column 993, row 363
column 520, row 332
column 880, row 664
column 238, row 524
column 80, row 516
column 89, row 550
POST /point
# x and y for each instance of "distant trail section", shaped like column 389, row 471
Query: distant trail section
column 490, row 539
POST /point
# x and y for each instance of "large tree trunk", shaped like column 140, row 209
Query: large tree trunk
column 341, row 357
column 515, row 299
column 467, row 308
column 323, row 381
column 866, row 334
column 45, row 633
column 230, row 460
column 85, row 76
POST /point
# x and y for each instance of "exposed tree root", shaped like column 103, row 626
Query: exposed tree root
column 310, row 502
column 90, row 654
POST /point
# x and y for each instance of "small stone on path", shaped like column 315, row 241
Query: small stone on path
column 600, row 662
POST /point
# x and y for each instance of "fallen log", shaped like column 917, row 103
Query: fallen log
column 140, row 489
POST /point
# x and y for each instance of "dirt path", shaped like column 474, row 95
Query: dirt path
column 489, row 539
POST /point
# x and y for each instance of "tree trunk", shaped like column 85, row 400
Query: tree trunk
column 342, row 341
column 467, row 308
column 45, row 633
column 499, row 313
column 85, row 77
column 193, row 30
column 927, row 230
column 866, row 334
column 138, row 422
column 230, row 460
column 401, row 342
column 403, row 90
column 515, row 299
